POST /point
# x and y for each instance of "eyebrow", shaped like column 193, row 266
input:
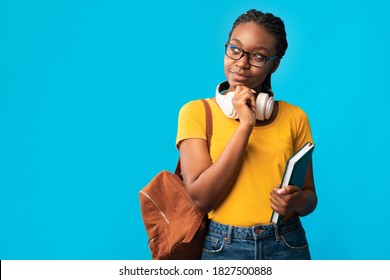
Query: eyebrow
column 259, row 48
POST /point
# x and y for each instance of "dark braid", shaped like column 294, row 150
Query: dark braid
column 271, row 23
column 274, row 25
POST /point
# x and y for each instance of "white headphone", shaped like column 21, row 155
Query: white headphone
column 264, row 103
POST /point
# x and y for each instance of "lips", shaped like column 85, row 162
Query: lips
column 239, row 76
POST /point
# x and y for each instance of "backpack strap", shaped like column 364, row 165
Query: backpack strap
column 209, row 123
column 209, row 132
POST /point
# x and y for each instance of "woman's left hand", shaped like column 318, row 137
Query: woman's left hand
column 287, row 200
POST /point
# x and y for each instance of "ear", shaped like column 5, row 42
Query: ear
column 275, row 65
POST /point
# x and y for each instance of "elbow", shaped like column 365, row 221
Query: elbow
column 202, row 206
column 310, row 205
column 200, row 198
column 315, row 203
column 201, row 203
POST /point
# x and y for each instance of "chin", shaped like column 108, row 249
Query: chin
column 233, row 83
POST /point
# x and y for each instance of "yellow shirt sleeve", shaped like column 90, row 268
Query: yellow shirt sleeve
column 191, row 122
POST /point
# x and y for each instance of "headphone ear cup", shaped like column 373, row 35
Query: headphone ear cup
column 226, row 105
column 264, row 106
column 269, row 107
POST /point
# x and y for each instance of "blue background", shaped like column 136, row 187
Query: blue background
column 89, row 97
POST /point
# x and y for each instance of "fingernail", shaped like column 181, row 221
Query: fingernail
column 281, row 191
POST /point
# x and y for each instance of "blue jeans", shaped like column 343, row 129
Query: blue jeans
column 283, row 241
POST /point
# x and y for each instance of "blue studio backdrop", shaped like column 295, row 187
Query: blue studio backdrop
column 89, row 97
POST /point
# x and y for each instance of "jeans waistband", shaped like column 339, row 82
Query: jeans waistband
column 257, row 231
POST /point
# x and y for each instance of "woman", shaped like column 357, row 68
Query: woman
column 237, row 182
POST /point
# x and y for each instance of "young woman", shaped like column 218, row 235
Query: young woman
column 253, row 137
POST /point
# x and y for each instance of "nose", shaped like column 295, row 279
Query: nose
column 243, row 62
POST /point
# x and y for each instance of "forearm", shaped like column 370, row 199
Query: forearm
column 308, row 202
column 212, row 186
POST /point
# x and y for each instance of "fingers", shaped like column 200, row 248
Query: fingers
column 245, row 105
column 284, row 200
column 287, row 190
column 245, row 96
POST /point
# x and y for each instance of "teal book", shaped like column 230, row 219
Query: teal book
column 295, row 172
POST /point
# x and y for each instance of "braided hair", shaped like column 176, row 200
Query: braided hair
column 274, row 25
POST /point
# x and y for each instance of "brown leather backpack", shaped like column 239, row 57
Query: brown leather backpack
column 175, row 227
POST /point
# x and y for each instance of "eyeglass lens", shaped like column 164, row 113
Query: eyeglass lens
column 236, row 53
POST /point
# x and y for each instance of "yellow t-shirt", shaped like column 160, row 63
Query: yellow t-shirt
column 267, row 152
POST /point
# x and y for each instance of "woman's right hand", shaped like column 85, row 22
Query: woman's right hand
column 244, row 102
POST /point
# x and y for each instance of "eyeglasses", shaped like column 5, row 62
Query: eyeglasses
column 254, row 59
